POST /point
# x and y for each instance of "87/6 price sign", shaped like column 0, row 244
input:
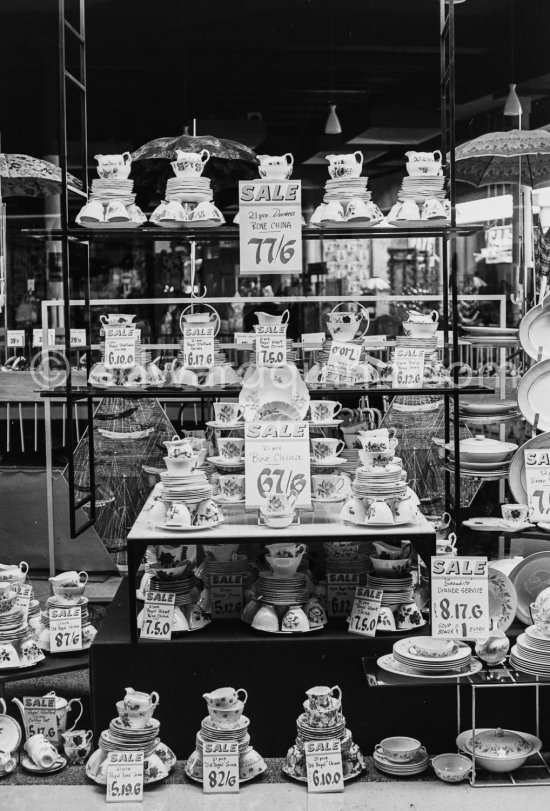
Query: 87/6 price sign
column 270, row 223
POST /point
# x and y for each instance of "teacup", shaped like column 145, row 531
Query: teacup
column 408, row 617
column 7, row 762
column 116, row 212
column 41, row 751
column 223, row 375
column 378, row 440
column 329, row 486
column 221, row 552
column 180, row 465
column 232, row 487
column 357, row 210
column 228, row 413
column 114, row 166
column 134, row 719
column 275, row 167
column 270, row 319
column 155, row 376
column 177, row 515
column 208, row 513
column 376, row 459
column 378, row 512
column 406, row 511
column 433, row 210
column 515, row 514
column 226, row 717
column 295, row 620
column 286, row 550
column 225, row 697
column 341, row 332
column 190, row 163
column 206, row 211
column 184, row 377
column 326, row 450
column 322, row 697
column 349, row 165
column 354, row 511
column 284, row 567
column 250, row 763
column 194, row 765
column 408, row 210
column 231, row 448
column 101, row 377
column 173, row 211
column 324, row 410
column 318, row 215
column 266, row 619
column 77, row 745
column 415, row 330
column 433, row 648
column 386, row 620
column 93, row 211
column 541, row 618
column 315, row 612
column 399, row 749
column 5, row 588
column 334, row 212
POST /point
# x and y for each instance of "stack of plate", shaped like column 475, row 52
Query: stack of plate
column 417, row 765
column 351, row 460
column 191, row 189
column 185, row 489
column 406, row 652
column 281, row 590
column 531, row 653
column 429, row 345
column 310, row 733
column 491, row 410
column 388, row 483
column 395, row 590
column 220, row 357
column 343, row 190
column 421, row 188
column 109, row 189
column 120, row 737
column 211, row 731
column 239, row 566
column 492, row 336
column 244, row 741
column 358, row 565
column 185, row 588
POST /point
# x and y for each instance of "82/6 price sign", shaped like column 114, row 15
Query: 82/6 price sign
column 270, row 223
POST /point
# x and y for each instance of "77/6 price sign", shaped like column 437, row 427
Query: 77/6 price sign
column 270, row 223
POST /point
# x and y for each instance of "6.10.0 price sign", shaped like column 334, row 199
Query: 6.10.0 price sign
column 270, row 224
column 120, row 347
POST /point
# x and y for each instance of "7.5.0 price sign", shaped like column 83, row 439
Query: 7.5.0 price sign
column 270, row 223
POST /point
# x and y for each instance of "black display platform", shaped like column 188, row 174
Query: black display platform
column 276, row 671
column 50, row 666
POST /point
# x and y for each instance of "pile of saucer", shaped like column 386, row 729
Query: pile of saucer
column 191, row 189
column 88, row 630
column 238, row 567
column 531, row 653
column 417, row 764
column 18, row 648
column 225, row 722
column 396, row 590
column 275, row 590
column 388, row 483
column 357, row 565
column 190, row 488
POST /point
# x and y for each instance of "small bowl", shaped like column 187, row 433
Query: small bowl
column 135, row 719
column 180, row 464
column 451, row 768
column 278, row 520
column 284, row 567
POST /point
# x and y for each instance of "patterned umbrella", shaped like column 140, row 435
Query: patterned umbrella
column 494, row 158
column 218, row 148
column 24, row 176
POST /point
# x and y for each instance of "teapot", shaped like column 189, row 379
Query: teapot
column 114, row 166
column 345, row 165
column 61, row 707
column 14, row 573
column 275, row 167
column 190, row 163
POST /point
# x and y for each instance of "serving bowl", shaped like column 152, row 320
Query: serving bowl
column 499, row 750
column 390, row 567
column 483, row 449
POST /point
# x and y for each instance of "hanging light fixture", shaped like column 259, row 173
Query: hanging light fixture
column 332, row 124
column 512, row 105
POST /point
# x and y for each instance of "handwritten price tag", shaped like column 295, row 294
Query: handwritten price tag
column 65, row 629
column 271, row 350
column 460, row 597
column 341, row 593
column 158, row 615
column 270, row 224
column 120, row 347
column 312, row 341
column 342, row 363
column 243, row 339
column 324, row 766
column 220, row 767
column 537, row 484
column 125, row 777
column 40, row 716
column 277, row 460
column 364, row 614
column 16, row 337
column 37, row 337
column 198, row 347
column 408, row 368
column 23, row 599
column 78, row 337
column 226, row 596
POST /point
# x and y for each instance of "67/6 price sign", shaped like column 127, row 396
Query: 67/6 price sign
column 277, row 462
column 270, row 223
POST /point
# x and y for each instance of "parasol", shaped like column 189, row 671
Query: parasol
column 493, row 158
column 25, row 176
column 218, row 148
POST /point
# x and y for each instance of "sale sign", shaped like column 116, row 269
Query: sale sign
column 342, row 363
column 341, row 592
column 408, row 368
column 198, row 347
column 158, row 615
column 324, row 766
column 270, row 225
column 220, row 773
column 65, row 629
column 277, row 462
column 364, row 614
column 537, row 484
column 271, row 349
column 460, row 597
column 226, row 595
column 125, row 776
column 120, row 347
column 40, row 716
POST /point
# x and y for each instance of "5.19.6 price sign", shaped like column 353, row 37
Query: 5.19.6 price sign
column 270, row 223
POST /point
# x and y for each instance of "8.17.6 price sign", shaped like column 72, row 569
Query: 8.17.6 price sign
column 270, row 224
column 460, row 597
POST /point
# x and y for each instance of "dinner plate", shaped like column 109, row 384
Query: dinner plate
column 503, row 600
column 403, row 648
column 529, row 578
column 229, row 426
column 495, row 525
column 389, row 664
column 534, row 332
column 517, row 465
column 497, row 331
column 534, row 395
column 10, row 734
column 484, row 408
column 265, row 391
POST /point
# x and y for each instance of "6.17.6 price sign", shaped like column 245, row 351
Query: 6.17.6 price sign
column 270, row 223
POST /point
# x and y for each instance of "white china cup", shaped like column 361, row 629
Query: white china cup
column 326, row 450
column 228, row 413
column 231, row 448
column 324, row 410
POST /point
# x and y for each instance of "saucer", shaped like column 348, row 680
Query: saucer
column 181, row 528
column 332, row 500
column 31, row 766
column 229, row 426
column 325, row 423
column 323, row 463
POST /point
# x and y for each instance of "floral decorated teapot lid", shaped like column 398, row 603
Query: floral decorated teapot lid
column 501, row 743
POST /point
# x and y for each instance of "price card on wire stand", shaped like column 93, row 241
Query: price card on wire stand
column 364, row 614
column 198, row 347
column 23, row 599
column 125, row 777
column 158, row 615
column 460, row 597
column 271, row 347
column 342, row 363
column 277, row 462
column 341, row 592
column 220, row 772
column 270, row 226
column 408, row 368
column 37, row 337
column 15, row 338
column 243, row 339
column 226, row 595
column 40, row 716
column 120, row 347
column 324, row 766
column 537, row 484
column 78, row 337
column 65, row 629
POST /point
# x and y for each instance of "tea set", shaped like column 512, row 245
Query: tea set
column 421, row 198
column 68, row 591
column 134, row 729
column 112, row 201
column 347, row 201
column 400, row 755
column 322, row 720
column 225, row 722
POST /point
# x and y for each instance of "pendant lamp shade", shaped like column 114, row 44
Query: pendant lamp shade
column 333, row 126
column 513, row 104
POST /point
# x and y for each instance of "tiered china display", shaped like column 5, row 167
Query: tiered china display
column 68, row 591
column 422, row 198
column 188, row 195
column 347, row 199
column 112, row 200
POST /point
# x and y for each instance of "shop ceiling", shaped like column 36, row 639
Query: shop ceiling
column 264, row 71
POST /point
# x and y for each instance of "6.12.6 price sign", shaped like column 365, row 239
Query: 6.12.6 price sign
column 270, row 223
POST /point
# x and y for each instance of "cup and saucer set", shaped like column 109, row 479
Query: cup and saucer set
column 225, row 722
column 325, row 454
column 189, row 196
column 422, row 198
column 112, row 201
column 227, row 416
column 400, row 756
